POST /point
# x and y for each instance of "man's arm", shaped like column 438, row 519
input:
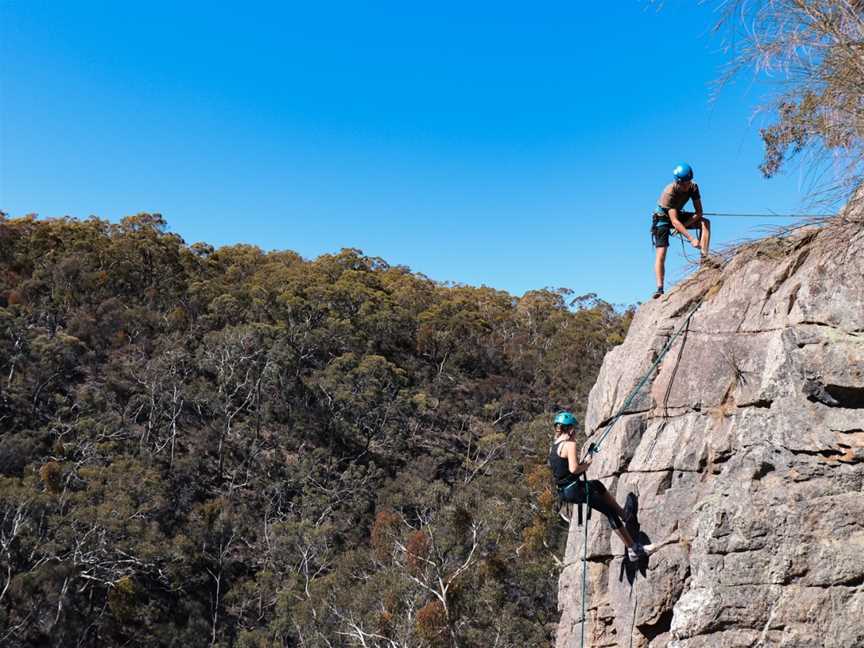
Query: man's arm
column 697, row 205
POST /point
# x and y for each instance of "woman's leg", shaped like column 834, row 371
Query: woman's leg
column 622, row 533
column 602, row 501
column 612, row 504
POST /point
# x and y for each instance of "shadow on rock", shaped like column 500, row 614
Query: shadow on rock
column 630, row 568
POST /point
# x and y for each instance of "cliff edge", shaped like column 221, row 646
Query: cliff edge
column 746, row 449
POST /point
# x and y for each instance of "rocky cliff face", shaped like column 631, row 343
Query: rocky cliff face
column 747, row 451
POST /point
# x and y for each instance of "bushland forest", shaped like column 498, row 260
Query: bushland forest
column 233, row 447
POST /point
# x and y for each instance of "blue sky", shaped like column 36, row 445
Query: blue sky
column 514, row 145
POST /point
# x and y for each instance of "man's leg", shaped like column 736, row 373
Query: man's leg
column 705, row 238
column 660, row 266
column 704, row 226
column 660, row 227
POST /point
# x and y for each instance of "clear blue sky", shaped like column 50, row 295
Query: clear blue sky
column 516, row 145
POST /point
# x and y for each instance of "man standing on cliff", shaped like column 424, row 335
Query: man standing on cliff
column 669, row 214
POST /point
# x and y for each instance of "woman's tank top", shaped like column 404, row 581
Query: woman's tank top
column 560, row 466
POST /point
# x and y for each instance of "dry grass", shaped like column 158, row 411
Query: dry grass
column 778, row 242
column 813, row 53
column 833, row 234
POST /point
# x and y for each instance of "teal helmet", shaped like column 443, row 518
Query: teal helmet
column 565, row 418
column 683, row 172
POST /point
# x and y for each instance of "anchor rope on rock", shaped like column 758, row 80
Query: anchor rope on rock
column 635, row 391
column 727, row 215
column 595, row 447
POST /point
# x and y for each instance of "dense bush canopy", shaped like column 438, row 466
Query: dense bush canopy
column 230, row 447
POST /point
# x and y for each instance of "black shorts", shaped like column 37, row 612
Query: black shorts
column 661, row 228
column 575, row 494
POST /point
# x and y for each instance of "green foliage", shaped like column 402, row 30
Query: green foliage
column 229, row 447
column 812, row 48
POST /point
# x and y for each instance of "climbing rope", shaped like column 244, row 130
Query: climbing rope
column 645, row 378
column 585, row 564
column 594, row 448
column 669, row 391
column 677, row 234
column 727, row 215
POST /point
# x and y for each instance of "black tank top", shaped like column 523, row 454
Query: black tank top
column 560, row 466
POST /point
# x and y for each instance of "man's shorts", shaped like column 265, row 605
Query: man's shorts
column 661, row 228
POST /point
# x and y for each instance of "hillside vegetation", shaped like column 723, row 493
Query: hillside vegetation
column 230, row 447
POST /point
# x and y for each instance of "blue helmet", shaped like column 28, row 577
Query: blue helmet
column 565, row 418
column 683, row 172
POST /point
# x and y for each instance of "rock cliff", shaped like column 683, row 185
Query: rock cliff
column 746, row 448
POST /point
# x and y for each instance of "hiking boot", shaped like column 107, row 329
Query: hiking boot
column 657, row 293
column 707, row 261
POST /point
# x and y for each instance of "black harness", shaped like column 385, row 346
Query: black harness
column 564, row 498
column 659, row 222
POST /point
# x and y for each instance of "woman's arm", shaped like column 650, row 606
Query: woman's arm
column 573, row 464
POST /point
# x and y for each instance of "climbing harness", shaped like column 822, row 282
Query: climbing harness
column 595, row 447
column 659, row 223
column 565, row 499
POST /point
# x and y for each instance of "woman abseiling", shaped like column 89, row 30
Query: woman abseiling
column 567, row 468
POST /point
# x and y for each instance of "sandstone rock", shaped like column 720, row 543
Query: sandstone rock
column 746, row 447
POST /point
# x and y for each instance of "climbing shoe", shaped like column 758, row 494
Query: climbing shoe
column 658, row 293
column 639, row 552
